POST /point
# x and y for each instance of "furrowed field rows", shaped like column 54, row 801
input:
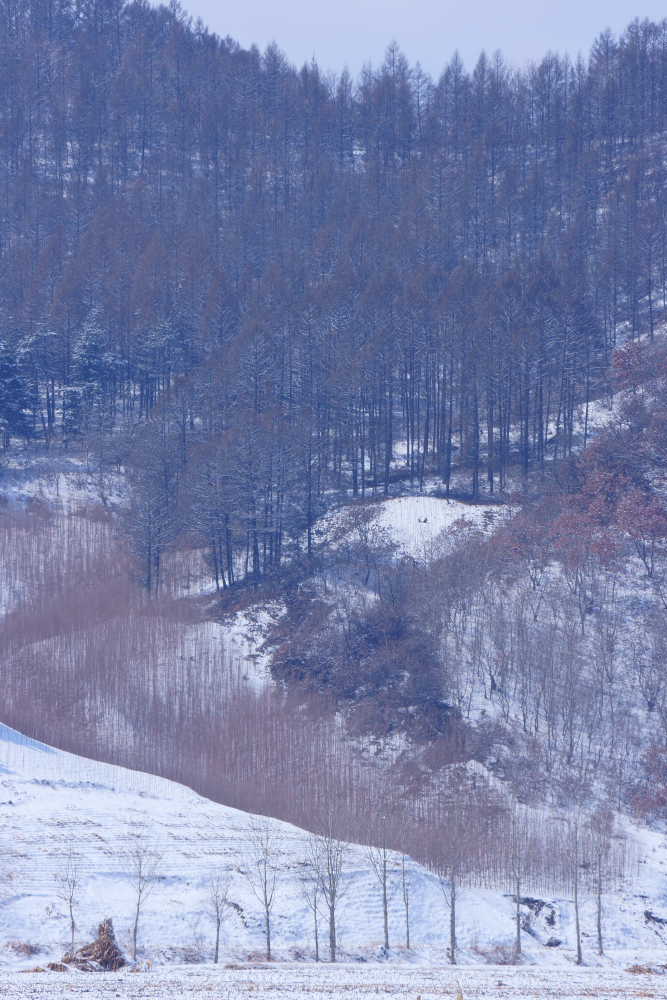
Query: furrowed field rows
column 354, row 982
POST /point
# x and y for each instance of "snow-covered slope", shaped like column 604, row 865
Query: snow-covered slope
column 414, row 523
column 52, row 802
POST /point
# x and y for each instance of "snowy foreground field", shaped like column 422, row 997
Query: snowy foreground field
column 52, row 803
column 355, row 982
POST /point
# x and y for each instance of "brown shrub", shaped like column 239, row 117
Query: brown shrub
column 24, row 948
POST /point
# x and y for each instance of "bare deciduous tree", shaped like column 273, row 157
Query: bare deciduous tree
column 262, row 872
column 608, row 852
column 68, row 888
column 143, row 872
column 379, row 858
column 405, row 893
column 575, row 858
column 326, row 855
column 311, row 893
column 519, row 864
column 448, row 886
column 218, row 898
column 459, row 835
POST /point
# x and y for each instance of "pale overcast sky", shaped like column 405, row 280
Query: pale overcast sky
column 352, row 32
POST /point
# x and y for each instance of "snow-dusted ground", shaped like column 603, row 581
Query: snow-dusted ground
column 62, row 480
column 414, row 523
column 52, row 802
column 245, row 634
column 356, row 982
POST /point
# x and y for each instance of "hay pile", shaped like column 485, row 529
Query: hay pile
column 103, row 955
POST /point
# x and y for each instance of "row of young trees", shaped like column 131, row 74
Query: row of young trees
column 579, row 852
column 143, row 872
column 590, row 857
column 280, row 284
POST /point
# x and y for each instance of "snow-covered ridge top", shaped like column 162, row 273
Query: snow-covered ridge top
column 25, row 759
column 8, row 735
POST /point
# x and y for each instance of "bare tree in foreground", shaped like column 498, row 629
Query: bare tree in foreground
column 405, row 892
column 609, row 857
column 68, row 887
column 310, row 890
column 262, row 873
column 575, row 860
column 326, row 856
column 448, row 886
column 602, row 826
column 379, row 858
column 218, row 898
column 460, row 840
column 519, row 864
column 143, row 873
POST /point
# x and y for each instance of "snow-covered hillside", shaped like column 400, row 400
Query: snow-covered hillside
column 413, row 524
column 52, row 803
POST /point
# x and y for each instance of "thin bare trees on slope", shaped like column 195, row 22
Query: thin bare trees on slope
column 69, row 885
column 261, row 872
column 531, row 854
column 219, row 902
column 326, row 859
column 143, row 870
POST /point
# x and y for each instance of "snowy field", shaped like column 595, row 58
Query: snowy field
column 354, row 982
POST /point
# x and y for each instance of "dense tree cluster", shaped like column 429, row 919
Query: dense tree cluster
column 280, row 283
column 538, row 647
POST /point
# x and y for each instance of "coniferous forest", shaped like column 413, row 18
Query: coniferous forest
column 256, row 279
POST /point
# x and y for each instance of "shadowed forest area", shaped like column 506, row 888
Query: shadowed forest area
column 252, row 283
